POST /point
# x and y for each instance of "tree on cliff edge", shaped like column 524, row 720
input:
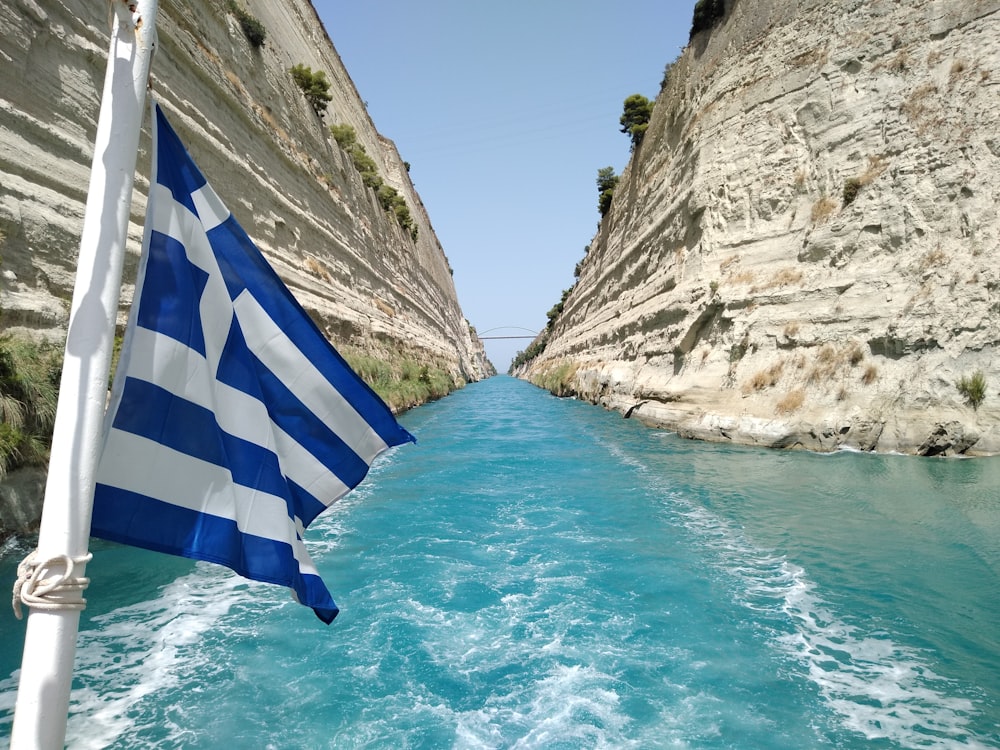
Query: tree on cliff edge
column 635, row 118
column 607, row 181
column 314, row 86
column 707, row 13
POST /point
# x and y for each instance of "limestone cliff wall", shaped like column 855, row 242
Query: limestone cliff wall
column 365, row 280
column 266, row 152
column 804, row 250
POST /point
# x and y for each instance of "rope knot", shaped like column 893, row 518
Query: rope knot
column 61, row 591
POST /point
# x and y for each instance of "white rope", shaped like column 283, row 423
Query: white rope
column 61, row 591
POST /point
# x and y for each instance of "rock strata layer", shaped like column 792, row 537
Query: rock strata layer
column 803, row 251
column 365, row 279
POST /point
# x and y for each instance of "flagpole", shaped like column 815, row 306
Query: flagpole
column 41, row 711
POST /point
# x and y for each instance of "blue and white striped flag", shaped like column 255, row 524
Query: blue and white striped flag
column 233, row 421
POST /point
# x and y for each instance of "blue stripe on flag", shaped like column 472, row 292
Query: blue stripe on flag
column 180, row 175
column 244, row 268
column 224, row 342
column 240, row 369
column 173, row 289
column 187, row 533
column 152, row 412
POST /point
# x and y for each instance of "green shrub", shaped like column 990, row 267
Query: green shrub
column 253, row 29
column 666, row 75
column 366, row 167
column 315, row 86
column 559, row 380
column 392, row 201
column 852, row 186
column 635, row 118
column 402, row 382
column 535, row 348
column 973, row 388
column 556, row 310
column 386, row 194
column 29, row 388
column 375, row 372
column 389, row 198
column 607, row 181
column 707, row 14
column 344, row 135
column 604, row 201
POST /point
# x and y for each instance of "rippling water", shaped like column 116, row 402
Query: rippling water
column 540, row 573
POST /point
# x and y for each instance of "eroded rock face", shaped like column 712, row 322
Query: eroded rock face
column 803, row 251
column 265, row 151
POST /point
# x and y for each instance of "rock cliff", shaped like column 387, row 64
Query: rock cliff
column 803, row 250
column 364, row 278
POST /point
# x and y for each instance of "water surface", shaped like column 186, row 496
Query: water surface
column 540, row 573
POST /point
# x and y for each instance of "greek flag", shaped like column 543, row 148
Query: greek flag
column 233, row 422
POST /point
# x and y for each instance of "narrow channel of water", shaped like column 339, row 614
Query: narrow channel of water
column 540, row 573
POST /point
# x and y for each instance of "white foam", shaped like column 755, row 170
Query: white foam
column 142, row 650
column 878, row 687
column 570, row 704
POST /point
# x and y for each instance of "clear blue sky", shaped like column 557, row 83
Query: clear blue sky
column 505, row 112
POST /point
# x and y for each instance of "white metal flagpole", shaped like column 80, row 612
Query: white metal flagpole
column 52, row 578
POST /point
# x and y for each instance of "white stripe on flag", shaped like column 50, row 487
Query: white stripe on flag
column 263, row 336
column 210, row 207
column 154, row 470
column 174, row 367
column 270, row 344
column 176, row 221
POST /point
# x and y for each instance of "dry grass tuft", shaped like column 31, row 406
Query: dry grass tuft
column 384, row 307
column 784, row 277
column 831, row 359
column 316, row 269
column 764, row 379
column 932, row 259
column 957, row 68
column 742, row 277
column 236, row 83
column 870, row 375
column 823, row 209
column 728, row 262
column 791, row 402
column 817, row 56
column 876, row 166
column 917, row 106
column 854, row 353
column 827, row 354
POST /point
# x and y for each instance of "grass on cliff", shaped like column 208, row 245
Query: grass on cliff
column 559, row 380
column 29, row 388
column 973, row 389
column 402, row 382
column 253, row 29
column 314, row 85
column 707, row 14
column 388, row 197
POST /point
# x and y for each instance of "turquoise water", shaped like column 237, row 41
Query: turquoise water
column 540, row 573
